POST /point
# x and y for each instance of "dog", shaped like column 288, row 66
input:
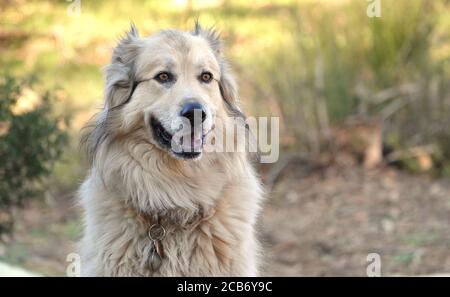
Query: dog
column 154, row 206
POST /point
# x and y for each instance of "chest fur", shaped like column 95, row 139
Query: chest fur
column 210, row 248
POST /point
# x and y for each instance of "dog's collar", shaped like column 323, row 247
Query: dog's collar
column 157, row 227
column 166, row 220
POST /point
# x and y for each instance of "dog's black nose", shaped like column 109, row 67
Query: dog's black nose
column 191, row 110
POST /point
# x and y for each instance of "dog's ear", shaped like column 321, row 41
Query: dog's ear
column 120, row 74
column 229, row 89
column 211, row 35
column 227, row 84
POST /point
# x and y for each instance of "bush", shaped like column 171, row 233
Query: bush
column 31, row 140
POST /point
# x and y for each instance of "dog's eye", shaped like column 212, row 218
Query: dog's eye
column 164, row 77
column 206, row 77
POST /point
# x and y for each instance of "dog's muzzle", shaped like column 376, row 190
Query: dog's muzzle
column 187, row 142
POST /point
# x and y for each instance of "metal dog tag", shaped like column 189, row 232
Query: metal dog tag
column 156, row 234
column 155, row 260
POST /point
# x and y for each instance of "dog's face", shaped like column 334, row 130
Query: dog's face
column 174, row 85
column 180, row 93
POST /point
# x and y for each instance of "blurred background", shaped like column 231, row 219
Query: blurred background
column 363, row 96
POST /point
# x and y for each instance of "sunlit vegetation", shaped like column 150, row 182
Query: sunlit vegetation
column 313, row 63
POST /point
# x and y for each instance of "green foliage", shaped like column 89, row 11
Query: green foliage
column 30, row 142
column 337, row 62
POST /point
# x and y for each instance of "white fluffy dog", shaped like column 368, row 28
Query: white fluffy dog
column 155, row 206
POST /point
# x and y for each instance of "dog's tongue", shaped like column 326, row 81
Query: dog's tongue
column 196, row 142
column 192, row 142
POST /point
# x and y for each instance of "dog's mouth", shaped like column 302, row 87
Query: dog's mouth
column 187, row 147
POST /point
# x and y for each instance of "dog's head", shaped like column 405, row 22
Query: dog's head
column 173, row 85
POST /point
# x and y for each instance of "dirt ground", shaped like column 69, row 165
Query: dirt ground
column 325, row 221
column 317, row 221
